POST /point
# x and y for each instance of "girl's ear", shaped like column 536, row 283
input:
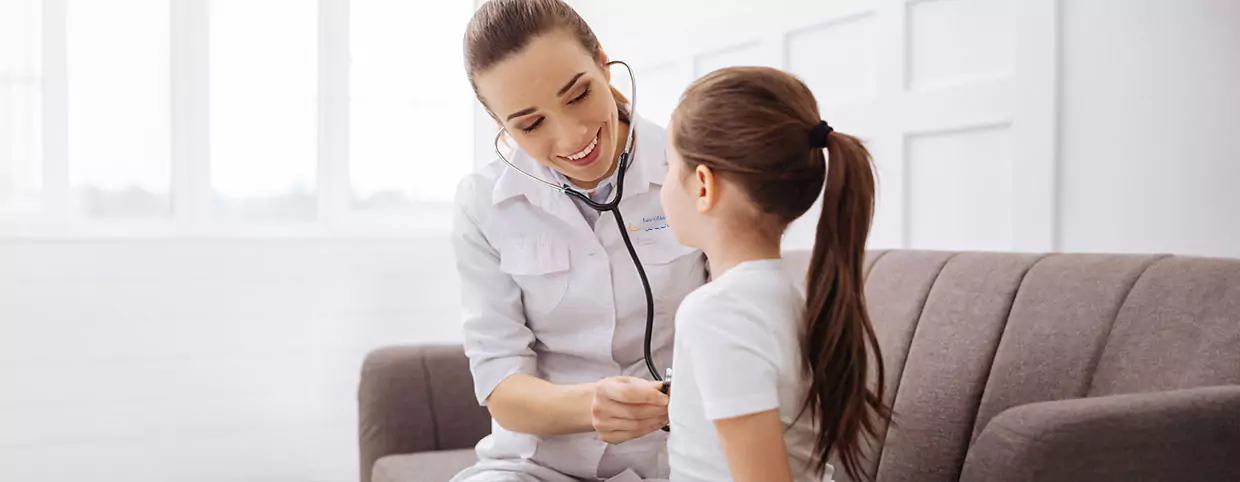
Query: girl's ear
column 707, row 186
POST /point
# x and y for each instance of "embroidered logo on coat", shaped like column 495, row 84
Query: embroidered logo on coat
column 650, row 224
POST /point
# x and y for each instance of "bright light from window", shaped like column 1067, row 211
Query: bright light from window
column 119, row 120
column 21, row 107
column 409, row 119
column 411, row 111
column 263, row 99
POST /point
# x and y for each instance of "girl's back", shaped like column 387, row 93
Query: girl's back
column 740, row 335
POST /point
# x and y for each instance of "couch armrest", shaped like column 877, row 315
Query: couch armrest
column 1191, row 434
column 416, row 399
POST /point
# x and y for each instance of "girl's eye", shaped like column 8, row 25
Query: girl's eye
column 531, row 127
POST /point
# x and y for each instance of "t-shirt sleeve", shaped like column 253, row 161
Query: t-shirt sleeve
column 733, row 354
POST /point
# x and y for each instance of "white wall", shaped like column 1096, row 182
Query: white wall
column 1030, row 125
column 1150, row 129
column 955, row 99
column 203, row 359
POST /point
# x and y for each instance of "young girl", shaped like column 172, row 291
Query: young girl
column 768, row 382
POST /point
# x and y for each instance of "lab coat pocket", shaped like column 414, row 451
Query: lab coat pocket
column 673, row 269
column 540, row 266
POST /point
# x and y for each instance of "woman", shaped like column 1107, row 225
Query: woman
column 554, row 310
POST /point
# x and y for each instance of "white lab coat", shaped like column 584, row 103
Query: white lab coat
column 546, row 295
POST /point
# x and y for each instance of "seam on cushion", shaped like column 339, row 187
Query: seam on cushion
column 1021, row 434
column 1106, row 339
column 1036, row 445
column 866, row 276
column 921, row 312
column 430, row 401
column 995, row 352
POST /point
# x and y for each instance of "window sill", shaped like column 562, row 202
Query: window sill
column 430, row 223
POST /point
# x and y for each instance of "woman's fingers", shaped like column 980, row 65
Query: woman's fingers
column 631, row 398
column 633, row 391
column 621, row 436
column 608, row 410
column 621, row 425
column 626, row 408
column 604, row 407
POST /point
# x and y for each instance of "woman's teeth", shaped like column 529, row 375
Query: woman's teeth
column 584, row 152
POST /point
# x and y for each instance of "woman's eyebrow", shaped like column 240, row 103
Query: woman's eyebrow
column 531, row 110
column 525, row 111
column 570, row 83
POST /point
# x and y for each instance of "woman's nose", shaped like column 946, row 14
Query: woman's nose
column 573, row 138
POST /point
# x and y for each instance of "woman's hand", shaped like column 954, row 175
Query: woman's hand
column 625, row 408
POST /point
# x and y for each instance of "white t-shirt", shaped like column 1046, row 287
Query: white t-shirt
column 737, row 352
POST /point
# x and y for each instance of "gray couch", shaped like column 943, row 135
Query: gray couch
column 1001, row 367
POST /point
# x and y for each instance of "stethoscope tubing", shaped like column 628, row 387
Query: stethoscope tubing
column 612, row 206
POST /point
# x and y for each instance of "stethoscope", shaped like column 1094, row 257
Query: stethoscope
column 613, row 207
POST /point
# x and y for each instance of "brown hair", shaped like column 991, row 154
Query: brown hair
column 501, row 28
column 753, row 126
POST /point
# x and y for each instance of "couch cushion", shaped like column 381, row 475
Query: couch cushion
column 1191, row 434
column 1058, row 326
column 896, row 288
column 948, row 362
column 423, row 467
column 1179, row 328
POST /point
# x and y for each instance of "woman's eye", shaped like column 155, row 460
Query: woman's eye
column 584, row 94
column 531, row 127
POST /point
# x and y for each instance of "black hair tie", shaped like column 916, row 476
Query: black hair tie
column 819, row 135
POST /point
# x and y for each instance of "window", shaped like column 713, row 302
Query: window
column 184, row 115
column 21, row 107
column 411, row 105
column 264, row 88
column 117, row 73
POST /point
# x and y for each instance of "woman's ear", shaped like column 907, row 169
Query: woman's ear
column 707, row 187
column 602, row 63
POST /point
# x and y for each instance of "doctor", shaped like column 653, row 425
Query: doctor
column 554, row 310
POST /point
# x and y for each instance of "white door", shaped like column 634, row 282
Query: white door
column 955, row 98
